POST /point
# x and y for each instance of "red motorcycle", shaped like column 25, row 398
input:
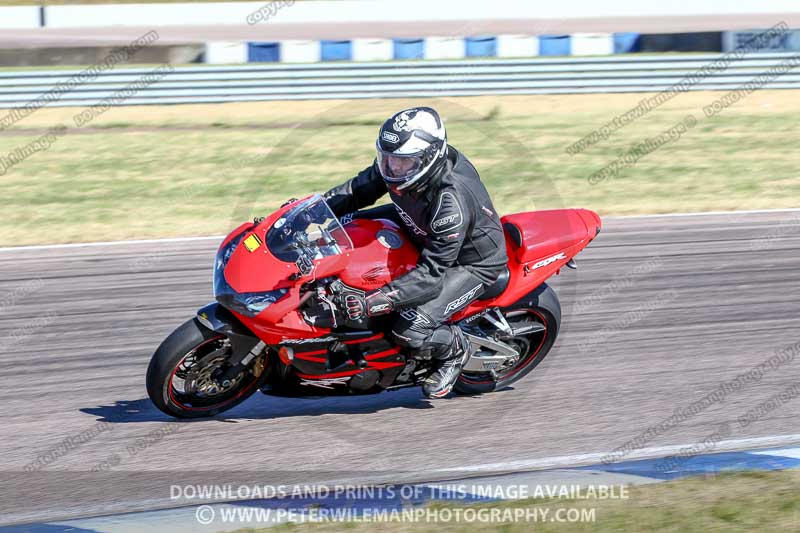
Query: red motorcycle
column 274, row 326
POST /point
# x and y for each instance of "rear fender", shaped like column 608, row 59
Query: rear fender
column 217, row 318
column 544, row 297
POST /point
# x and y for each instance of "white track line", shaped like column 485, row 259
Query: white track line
column 597, row 458
column 220, row 237
column 111, row 243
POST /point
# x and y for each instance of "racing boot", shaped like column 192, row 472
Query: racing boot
column 449, row 362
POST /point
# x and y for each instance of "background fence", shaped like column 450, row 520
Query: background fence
column 206, row 84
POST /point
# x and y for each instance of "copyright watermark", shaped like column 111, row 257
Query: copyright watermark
column 267, row 11
column 205, row 515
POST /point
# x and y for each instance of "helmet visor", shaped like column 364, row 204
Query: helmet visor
column 399, row 168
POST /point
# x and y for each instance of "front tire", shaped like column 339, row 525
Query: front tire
column 180, row 378
column 540, row 305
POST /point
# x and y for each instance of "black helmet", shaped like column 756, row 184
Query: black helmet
column 411, row 148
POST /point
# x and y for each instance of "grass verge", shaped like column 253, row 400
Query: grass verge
column 162, row 171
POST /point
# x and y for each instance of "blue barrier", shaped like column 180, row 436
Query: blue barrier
column 627, row 42
column 336, row 50
column 409, row 48
column 554, row 45
column 263, row 52
column 481, row 46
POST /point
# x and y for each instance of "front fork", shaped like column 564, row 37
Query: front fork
column 244, row 345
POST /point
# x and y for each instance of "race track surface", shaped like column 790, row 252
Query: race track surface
column 661, row 311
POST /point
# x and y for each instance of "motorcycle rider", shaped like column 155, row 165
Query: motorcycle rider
column 438, row 197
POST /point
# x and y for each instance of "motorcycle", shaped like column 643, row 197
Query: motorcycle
column 274, row 325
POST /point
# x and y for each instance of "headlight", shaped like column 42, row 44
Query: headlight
column 252, row 303
column 249, row 303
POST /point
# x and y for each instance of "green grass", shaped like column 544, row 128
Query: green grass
column 759, row 501
column 159, row 171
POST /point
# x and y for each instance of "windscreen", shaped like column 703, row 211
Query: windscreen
column 307, row 232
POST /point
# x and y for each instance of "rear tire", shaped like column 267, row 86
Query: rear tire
column 540, row 305
column 192, row 343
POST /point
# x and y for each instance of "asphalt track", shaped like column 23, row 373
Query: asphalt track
column 661, row 311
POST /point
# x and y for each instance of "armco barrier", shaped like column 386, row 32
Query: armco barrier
column 204, row 84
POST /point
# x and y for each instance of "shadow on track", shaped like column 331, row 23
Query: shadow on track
column 267, row 407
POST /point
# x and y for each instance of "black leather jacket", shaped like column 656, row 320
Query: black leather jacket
column 453, row 222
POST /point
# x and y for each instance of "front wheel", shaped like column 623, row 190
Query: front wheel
column 183, row 376
column 540, row 307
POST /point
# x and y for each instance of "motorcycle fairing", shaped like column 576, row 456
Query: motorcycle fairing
column 538, row 245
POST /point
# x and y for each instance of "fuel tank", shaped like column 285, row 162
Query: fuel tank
column 381, row 252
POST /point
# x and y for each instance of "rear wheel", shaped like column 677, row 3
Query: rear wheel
column 539, row 310
column 184, row 376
